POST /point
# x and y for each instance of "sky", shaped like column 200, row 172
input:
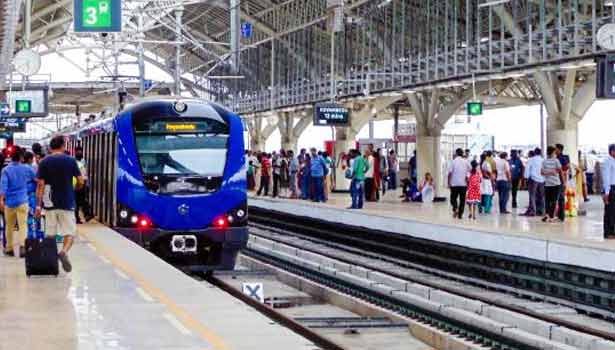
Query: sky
column 510, row 126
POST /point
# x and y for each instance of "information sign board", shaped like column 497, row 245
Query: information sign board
column 28, row 103
column 328, row 114
column 97, row 16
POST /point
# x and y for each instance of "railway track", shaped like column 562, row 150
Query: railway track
column 586, row 290
column 534, row 312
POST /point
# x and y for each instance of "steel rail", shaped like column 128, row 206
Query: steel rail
column 296, row 225
column 456, row 328
column 280, row 318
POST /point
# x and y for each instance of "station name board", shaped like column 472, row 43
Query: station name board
column 12, row 125
column 331, row 114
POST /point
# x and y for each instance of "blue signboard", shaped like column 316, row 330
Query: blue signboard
column 246, row 30
column 12, row 124
column 147, row 84
column 99, row 16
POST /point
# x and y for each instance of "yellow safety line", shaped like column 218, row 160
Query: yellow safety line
column 179, row 312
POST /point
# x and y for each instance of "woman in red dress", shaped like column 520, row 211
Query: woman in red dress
column 473, row 196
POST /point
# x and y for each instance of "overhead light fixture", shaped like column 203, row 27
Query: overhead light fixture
column 493, row 3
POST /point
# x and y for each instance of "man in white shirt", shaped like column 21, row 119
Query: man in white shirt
column 590, row 165
column 502, row 181
column 458, row 172
column 608, row 190
column 535, row 184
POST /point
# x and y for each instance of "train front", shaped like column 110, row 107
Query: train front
column 181, row 182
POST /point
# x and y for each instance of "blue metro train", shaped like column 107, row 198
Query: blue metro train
column 169, row 174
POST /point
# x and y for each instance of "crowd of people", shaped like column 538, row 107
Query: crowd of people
column 33, row 185
column 553, row 183
column 556, row 186
column 308, row 175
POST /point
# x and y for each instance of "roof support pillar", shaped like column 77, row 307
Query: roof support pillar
column 140, row 57
column 27, row 29
column 235, row 7
column 565, row 109
column 178, row 31
column 258, row 134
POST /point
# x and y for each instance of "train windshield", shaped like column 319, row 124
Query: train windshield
column 195, row 148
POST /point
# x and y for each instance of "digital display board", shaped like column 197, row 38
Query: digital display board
column 331, row 114
column 12, row 125
column 175, row 126
column 28, row 103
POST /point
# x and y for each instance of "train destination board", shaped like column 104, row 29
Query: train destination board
column 327, row 114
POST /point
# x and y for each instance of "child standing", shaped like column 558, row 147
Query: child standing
column 473, row 197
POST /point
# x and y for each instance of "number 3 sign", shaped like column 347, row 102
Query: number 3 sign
column 98, row 16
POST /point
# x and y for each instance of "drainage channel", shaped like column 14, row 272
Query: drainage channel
column 327, row 319
column 417, row 311
column 583, row 289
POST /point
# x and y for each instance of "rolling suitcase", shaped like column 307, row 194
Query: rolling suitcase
column 41, row 256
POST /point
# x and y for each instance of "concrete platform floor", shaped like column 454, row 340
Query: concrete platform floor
column 582, row 229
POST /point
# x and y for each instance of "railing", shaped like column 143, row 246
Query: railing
column 485, row 60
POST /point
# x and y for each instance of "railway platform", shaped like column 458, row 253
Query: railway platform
column 120, row 296
column 576, row 242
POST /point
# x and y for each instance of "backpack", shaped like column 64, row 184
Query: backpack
column 349, row 174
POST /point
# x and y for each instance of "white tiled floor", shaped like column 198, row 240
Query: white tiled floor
column 118, row 297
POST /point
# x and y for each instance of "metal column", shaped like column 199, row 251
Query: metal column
column 27, row 28
column 140, row 58
column 178, row 31
column 235, row 34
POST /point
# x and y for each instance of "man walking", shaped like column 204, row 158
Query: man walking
column 458, row 182
column 503, row 178
column 608, row 190
column 14, row 201
column 55, row 193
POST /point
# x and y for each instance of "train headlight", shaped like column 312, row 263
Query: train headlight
column 180, row 107
column 123, row 214
column 134, row 219
column 240, row 213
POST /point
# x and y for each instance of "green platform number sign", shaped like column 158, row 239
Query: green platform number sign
column 475, row 108
column 23, row 106
column 98, row 16
column 96, row 13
